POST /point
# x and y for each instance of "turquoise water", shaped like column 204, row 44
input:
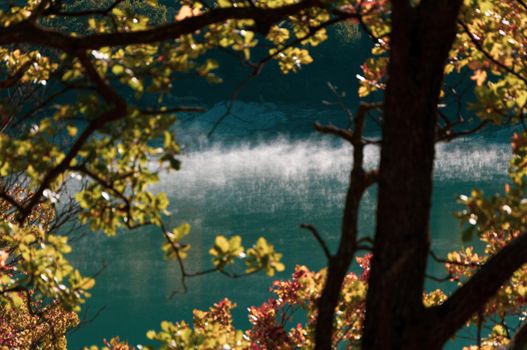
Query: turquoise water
column 263, row 173
column 267, row 189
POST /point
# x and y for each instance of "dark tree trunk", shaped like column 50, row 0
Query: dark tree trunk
column 420, row 41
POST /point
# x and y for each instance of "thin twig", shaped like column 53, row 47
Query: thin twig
column 318, row 237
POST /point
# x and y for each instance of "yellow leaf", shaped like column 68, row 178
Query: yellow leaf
column 186, row 12
column 479, row 77
column 72, row 131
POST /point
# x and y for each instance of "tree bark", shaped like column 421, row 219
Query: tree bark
column 483, row 285
column 420, row 40
column 339, row 264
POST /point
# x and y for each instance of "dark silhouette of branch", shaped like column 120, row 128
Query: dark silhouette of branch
column 448, row 135
column 519, row 341
column 338, row 266
column 257, row 67
column 334, row 130
column 85, row 320
column 29, row 32
column 118, row 111
column 232, row 101
column 479, row 326
column 15, row 78
column 522, row 4
column 484, row 284
column 348, row 134
column 319, row 239
column 37, row 108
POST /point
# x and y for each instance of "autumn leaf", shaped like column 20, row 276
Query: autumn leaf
column 479, row 77
column 186, row 12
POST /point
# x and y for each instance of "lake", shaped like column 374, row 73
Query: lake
column 263, row 172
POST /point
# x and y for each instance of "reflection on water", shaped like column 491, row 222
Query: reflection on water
column 260, row 189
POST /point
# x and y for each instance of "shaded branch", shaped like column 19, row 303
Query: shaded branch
column 333, row 130
column 9, row 199
column 522, row 4
column 28, row 32
column 519, row 341
column 447, row 134
column 118, row 111
column 15, row 78
column 257, row 67
column 482, row 286
column 319, row 239
column 338, row 266
column 355, row 138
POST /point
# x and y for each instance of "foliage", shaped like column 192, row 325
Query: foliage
column 112, row 344
column 41, row 327
column 91, row 147
column 496, row 220
column 271, row 320
column 104, row 73
column 30, row 257
column 490, row 46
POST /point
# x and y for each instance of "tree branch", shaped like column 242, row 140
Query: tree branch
column 519, row 341
column 319, row 239
column 339, row 264
column 15, row 78
column 482, row 286
column 118, row 111
column 257, row 67
column 446, row 134
column 347, row 134
column 333, row 130
column 522, row 4
column 28, row 32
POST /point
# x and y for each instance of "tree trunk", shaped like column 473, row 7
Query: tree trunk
column 420, row 41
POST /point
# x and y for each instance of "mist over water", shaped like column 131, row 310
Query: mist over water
column 296, row 162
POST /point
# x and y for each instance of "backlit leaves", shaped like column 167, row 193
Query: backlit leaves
column 173, row 248
column 260, row 257
column 225, row 251
column 263, row 256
